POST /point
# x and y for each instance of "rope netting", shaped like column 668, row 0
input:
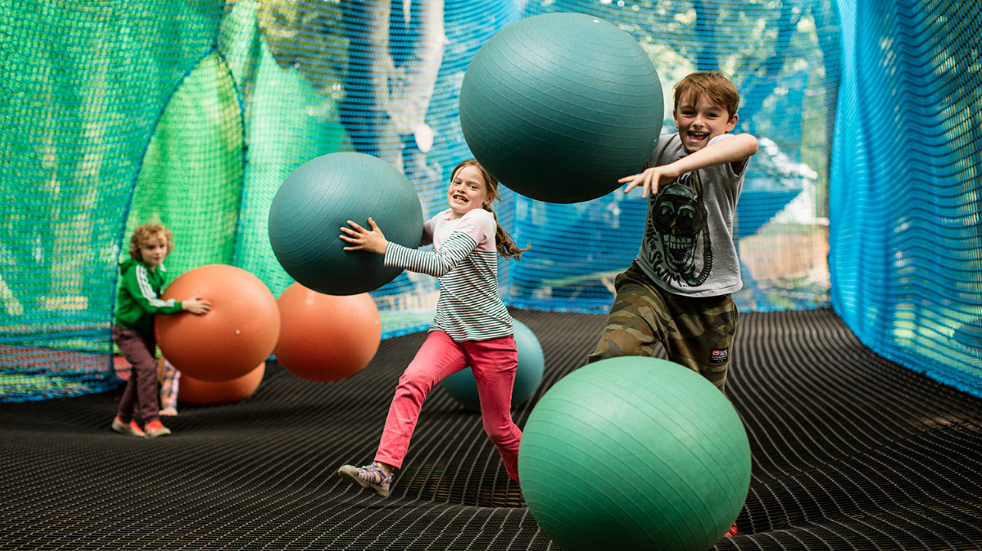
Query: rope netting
column 116, row 113
column 906, row 256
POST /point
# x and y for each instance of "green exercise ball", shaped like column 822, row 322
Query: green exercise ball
column 320, row 196
column 634, row 453
column 559, row 106
column 463, row 388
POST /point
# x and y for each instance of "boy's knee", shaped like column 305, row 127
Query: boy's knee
column 602, row 352
column 615, row 343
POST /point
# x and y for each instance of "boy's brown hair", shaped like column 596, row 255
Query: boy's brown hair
column 714, row 85
column 143, row 233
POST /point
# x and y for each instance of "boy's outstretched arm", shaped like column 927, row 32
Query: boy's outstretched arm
column 735, row 149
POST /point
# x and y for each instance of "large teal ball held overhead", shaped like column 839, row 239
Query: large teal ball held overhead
column 634, row 453
column 559, row 106
column 462, row 386
column 320, row 196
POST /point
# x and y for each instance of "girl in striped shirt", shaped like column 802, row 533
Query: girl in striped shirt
column 471, row 326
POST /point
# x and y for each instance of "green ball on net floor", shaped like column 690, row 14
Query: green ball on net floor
column 462, row 387
column 634, row 453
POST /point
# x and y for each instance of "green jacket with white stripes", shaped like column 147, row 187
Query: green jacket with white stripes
column 138, row 300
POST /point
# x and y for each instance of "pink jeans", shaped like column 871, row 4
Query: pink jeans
column 493, row 362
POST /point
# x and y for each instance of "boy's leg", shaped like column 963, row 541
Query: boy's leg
column 127, row 404
column 633, row 325
column 494, row 364
column 141, row 389
column 702, row 336
column 438, row 357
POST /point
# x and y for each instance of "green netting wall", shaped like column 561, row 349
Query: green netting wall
column 116, row 113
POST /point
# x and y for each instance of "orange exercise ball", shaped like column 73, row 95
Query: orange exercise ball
column 325, row 337
column 196, row 391
column 229, row 341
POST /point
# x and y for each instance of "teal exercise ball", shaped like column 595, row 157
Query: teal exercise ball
column 559, row 106
column 463, row 388
column 634, row 453
column 320, row 196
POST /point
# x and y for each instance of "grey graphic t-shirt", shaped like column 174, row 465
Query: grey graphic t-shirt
column 688, row 244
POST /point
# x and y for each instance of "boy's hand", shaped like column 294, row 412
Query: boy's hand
column 650, row 180
column 196, row 305
column 363, row 239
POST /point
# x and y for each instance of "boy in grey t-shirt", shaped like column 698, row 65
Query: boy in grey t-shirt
column 677, row 291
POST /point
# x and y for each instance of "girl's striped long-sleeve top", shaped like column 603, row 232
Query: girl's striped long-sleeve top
column 465, row 260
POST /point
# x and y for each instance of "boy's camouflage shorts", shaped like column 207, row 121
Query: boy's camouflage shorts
column 696, row 332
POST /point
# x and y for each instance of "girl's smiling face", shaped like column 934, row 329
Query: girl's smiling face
column 468, row 191
column 700, row 120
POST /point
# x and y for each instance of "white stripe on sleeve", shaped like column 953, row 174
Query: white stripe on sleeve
column 431, row 262
column 143, row 279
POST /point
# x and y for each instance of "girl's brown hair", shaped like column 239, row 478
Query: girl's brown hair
column 503, row 242
column 143, row 233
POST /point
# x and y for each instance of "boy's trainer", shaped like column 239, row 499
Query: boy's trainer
column 132, row 429
column 155, row 429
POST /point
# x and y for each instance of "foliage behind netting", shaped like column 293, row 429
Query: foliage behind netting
column 116, row 113
column 905, row 204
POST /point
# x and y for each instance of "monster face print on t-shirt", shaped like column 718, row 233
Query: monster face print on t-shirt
column 677, row 237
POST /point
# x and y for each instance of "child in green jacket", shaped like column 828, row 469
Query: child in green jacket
column 137, row 303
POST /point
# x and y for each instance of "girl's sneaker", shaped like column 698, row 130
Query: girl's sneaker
column 132, row 429
column 155, row 429
column 369, row 476
column 732, row 532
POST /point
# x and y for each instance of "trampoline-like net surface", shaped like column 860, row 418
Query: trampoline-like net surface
column 850, row 451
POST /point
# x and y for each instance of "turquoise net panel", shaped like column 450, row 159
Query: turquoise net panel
column 906, row 194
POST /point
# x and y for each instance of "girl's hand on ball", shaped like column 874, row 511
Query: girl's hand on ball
column 196, row 305
column 364, row 239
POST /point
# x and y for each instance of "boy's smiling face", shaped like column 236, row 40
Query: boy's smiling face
column 699, row 120
column 154, row 251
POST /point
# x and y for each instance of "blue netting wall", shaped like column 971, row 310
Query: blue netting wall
column 906, row 193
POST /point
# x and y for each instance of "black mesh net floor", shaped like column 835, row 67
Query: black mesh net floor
column 850, row 451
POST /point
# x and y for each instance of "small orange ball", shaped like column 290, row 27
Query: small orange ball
column 325, row 337
column 196, row 391
column 228, row 342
